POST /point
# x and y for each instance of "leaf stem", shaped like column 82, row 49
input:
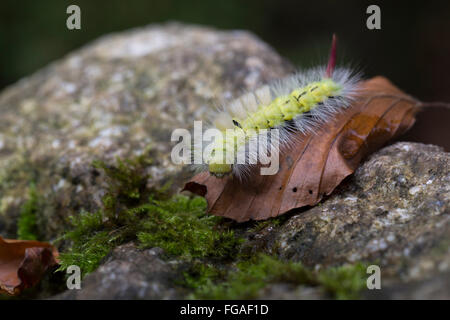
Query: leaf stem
column 437, row 104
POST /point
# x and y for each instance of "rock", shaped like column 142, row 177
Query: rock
column 284, row 291
column 120, row 96
column 433, row 288
column 129, row 273
column 393, row 212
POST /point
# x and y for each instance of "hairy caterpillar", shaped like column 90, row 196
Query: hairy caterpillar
column 301, row 102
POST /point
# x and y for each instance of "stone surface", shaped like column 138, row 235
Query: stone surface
column 123, row 95
column 436, row 287
column 284, row 291
column 393, row 212
column 129, row 273
column 120, row 96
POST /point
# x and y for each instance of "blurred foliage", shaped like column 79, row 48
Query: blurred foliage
column 33, row 33
column 411, row 49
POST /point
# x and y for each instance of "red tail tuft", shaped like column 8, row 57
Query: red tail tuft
column 332, row 59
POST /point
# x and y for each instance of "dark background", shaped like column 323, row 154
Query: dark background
column 412, row 48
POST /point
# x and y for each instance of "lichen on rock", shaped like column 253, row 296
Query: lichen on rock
column 121, row 96
column 393, row 212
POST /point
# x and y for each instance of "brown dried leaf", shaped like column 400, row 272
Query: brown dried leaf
column 315, row 166
column 23, row 263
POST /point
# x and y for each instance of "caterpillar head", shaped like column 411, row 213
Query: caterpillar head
column 219, row 161
column 220, row 170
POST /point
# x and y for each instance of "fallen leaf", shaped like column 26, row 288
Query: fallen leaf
column 315, row 166
column 23, row 263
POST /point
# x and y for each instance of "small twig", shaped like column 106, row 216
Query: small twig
column 435, row 104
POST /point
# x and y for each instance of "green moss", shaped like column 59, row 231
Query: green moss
column 201, row 274
column 127, row 181
column 91, row 242
column 249, row 277
column 94, row 235
column 26, row 224
column 345, row 282
column 181, row 227
column 177, row 224
column 272, row 222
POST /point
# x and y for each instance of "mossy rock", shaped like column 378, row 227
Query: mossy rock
column 120, row 96
column 88, row 137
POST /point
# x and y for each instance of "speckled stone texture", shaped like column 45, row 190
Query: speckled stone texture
column 393, row 212
column 117, row 97
column 130, row 273
column 123, row 95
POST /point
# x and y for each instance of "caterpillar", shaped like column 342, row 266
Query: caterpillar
column 299, row 103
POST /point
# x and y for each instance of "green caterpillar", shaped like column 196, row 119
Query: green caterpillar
column 277, row 112
column 299, row 103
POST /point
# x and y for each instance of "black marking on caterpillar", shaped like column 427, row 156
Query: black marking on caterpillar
column 301, row 103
